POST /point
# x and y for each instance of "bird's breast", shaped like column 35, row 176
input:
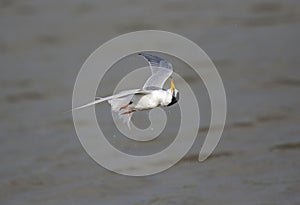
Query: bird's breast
column 154, row 99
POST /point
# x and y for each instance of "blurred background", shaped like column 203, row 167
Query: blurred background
column 255, row 48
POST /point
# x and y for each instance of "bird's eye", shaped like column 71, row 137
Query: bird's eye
column 177, row 96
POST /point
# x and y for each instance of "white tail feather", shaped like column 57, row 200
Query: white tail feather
column 99, row 100
column 117, row 103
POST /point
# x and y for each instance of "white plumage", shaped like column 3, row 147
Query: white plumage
column 150, row 96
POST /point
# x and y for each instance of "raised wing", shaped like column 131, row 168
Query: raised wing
column 119, row 95
column 161, row 70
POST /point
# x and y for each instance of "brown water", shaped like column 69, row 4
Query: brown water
column 255, row 47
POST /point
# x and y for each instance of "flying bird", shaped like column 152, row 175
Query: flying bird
column 152, row 94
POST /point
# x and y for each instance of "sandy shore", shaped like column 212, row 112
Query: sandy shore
column 255, row 48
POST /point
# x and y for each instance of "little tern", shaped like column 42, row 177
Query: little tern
column 152, row 94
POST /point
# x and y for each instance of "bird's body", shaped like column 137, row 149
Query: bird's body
column 154, row 99
column 152, row 94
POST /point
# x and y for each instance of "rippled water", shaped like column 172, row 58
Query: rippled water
column 255, row 48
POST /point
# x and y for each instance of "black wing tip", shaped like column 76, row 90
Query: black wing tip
column 149, row 56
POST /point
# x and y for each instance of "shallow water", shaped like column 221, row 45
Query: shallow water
column 255, row 48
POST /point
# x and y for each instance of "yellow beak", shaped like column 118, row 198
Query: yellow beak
column 172, row 86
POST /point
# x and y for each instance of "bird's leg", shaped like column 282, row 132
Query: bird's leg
column 128, row 112
column 125, row 106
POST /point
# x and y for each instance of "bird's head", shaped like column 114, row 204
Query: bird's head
column 174, row 92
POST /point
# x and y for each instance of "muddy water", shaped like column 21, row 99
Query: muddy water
column 255, row 48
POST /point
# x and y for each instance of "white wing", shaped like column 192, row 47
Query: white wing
column 116, row 96
column 161, row 70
